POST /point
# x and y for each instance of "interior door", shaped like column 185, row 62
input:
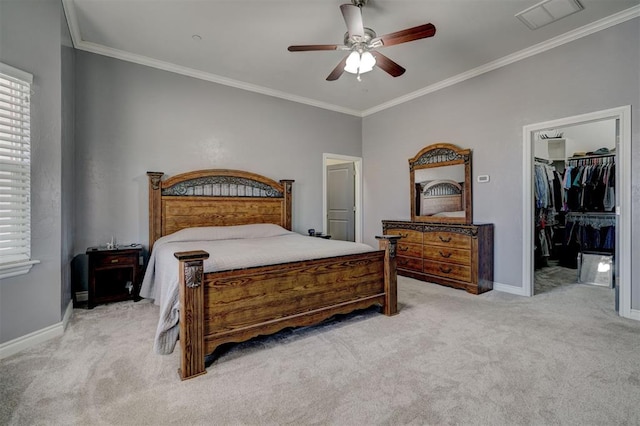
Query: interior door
column 341, row 201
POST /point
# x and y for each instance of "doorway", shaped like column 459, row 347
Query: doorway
column 574, row 201
column 342, row 197
column 621, row 118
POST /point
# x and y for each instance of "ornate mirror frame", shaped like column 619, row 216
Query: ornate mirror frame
column 424, row 165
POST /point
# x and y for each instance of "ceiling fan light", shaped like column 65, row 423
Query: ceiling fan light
column 353, row 63
column 367, row 62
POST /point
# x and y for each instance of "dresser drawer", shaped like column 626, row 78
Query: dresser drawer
column 408, row 249
column 450, row 239
column 448, row 270
column 447, row 254
column 408, row 235
column 411, row 263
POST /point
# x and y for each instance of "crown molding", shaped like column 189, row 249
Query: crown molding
column 78, row 43
column 568, row 37
column 190, row 72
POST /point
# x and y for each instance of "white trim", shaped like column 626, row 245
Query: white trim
column 78, row 43
column 27, row 341
column 68, row 314
column 634, row 314
column 623, row 198
column 16, row 73
column 505, row 288
column 357, row 161
column 190, row 72
column 17, row 268
column 576, row 34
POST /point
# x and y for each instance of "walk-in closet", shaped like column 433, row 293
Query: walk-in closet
column 574, row 202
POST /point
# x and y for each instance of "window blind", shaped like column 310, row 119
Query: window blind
column 15, row 166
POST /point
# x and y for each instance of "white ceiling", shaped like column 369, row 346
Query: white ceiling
column 244, row 42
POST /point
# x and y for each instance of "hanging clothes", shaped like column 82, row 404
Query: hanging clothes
column 589, row 201
column 590, row 187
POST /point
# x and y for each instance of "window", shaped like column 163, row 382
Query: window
column 15, row 172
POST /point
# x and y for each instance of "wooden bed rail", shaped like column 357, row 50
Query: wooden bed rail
column 193, row 341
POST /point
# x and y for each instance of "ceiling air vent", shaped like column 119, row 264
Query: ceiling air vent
column 548, row 11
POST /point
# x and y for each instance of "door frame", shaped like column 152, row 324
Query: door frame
column 623, row 198
column 357, row 162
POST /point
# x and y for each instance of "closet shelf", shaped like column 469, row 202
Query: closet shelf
column 590, row 159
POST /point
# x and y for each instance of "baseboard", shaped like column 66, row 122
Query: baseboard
column 82, row 296
column 505, row 288
column 68, row 313
column 634, row 314
column 14, row 346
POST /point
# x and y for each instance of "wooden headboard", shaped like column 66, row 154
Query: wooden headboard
column 442, row 195
column 215, row 198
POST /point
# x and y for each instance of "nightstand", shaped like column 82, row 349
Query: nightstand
column 114, row 274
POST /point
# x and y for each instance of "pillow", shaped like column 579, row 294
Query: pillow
column 208, row 233
column 460, row 213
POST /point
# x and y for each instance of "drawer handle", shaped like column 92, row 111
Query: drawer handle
column 403, row 261
column 445, row 270
column 114, row 260
column 403, row 248
column 445, row 255
column 404, row 235
column 444, row 240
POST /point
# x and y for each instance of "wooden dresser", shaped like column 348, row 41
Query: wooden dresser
column 454, row 255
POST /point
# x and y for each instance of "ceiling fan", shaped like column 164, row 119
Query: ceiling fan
column 362, row 42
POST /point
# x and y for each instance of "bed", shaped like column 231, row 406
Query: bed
column 202, row 222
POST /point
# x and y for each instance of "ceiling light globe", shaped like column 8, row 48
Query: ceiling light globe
column 353, row 63
column 367, row 62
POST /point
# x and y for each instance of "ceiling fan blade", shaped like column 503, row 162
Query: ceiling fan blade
column 388, row 65
column 410, row 34
column 353, row 18
column 338, row 70
column 309, row 47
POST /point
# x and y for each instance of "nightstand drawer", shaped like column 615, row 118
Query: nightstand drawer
column 116, row 260
column 450, row 239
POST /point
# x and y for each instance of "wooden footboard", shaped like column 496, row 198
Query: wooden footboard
column 237, row 305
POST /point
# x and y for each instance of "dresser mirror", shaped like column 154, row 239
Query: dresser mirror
column 441, row 184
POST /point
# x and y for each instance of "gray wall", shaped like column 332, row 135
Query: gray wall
column 131, row 119
column 30, row 40
column 487, row 114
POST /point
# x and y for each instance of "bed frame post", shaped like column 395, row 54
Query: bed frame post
column 388, row 243
column 286, row 211
column 191, row 313
column 155, row 217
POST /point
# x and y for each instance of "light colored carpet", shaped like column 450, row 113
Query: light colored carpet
column 561, row 357
column 550, row 277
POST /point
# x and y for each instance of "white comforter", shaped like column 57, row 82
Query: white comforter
column 229, row 247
